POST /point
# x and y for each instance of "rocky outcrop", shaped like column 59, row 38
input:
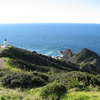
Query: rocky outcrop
column 84, row 56
column 67, row 54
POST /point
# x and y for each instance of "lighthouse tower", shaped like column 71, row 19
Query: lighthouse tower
column 5, row 43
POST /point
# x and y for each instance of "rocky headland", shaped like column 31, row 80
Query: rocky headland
column 84, row 56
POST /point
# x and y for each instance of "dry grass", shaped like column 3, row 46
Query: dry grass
column 17, row 94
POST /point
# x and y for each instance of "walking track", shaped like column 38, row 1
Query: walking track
column 2, row 63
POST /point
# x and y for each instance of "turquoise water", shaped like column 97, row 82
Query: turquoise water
column 49, row 38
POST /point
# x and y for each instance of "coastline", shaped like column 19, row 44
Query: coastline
column 45, row 38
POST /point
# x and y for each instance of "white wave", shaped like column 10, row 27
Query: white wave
column 60, row 54
column 48, row 53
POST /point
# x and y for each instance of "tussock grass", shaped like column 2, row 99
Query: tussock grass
column 17, row 94
column 52, row 91
column 82, row 96
column 10, row 66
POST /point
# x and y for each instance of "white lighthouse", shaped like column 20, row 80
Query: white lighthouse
column 5, row 43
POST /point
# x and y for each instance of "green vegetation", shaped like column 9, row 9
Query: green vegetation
column 88, row 61
column 22, row 80
column 74, row 79
column 82, row 96
column 17, row 94
column 32, row 76
column 14, row 94
column 85, row 55
column 31, row 61
column 53, row 91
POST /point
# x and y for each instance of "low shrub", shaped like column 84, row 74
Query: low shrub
column 22, row 80
column 97, row 77
column 52, row 91
column 3, row 71
column 75, row 79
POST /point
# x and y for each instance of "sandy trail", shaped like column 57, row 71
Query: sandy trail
column 2, row 63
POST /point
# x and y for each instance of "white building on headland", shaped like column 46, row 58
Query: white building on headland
column 4, row 44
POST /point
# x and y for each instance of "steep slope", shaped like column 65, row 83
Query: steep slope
column 89, row 61
column 27, row 60
column 86, row 56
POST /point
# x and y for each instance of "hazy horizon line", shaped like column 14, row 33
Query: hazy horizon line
column 49, row 23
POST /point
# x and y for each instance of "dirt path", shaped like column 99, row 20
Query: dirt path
column 2, row 63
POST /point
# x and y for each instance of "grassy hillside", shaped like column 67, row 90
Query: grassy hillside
column 88, row 61
column 85, row 55
column 27, row 60
column 32, row 76
column 17, row 94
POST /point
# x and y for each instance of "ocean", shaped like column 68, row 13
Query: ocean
column 49, row 38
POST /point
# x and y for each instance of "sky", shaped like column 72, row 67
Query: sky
column 49, row 11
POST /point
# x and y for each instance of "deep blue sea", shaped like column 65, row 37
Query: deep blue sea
column 49, row 38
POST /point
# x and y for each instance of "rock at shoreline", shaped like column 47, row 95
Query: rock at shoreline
column 67, row 54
